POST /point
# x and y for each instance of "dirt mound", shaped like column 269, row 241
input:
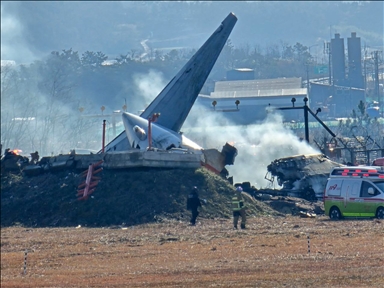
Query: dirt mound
column 123, row 197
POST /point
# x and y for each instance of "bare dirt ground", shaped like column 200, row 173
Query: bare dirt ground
column 273, row 252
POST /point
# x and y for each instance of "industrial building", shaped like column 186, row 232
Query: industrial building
column 345, row 88
column 248, row 101
column 244, row 100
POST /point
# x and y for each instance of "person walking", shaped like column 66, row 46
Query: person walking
column 238, row 208
column 193, row 202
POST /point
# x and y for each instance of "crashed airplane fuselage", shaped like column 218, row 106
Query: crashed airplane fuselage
column 175, row 101
column 136, row 129
column 303, row 175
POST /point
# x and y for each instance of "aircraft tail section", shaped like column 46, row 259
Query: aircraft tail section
column 176, row 100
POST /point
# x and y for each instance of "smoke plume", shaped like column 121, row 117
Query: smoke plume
column 13, row 44
column 258, row 145
column 148, row 86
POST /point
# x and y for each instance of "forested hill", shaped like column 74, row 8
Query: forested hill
column 33, row 28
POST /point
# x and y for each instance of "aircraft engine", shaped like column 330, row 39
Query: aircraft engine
column 140, row 132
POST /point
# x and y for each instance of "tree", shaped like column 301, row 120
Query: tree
column 172, row 56
column 90, row 58
column 17, row 108
column 123, row 59
column 273, row 51
column 226, row 59
column 301, row 53
column 8, row 101
column 58, row 76
column 257, row 61
column 288, row 53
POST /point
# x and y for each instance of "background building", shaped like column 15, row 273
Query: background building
column 245, row 102
column 355, row 73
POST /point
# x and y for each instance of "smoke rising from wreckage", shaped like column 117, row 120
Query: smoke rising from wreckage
column 177, row 98
column 300, row 175
column 173, row 104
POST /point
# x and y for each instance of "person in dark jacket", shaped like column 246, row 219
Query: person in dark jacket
column 193, row 202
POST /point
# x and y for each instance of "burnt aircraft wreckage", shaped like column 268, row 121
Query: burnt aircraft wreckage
column 160, row 144
column 303, row 176
column 172, row 106
column 154, row 138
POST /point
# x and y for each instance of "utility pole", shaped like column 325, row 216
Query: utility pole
column 376, row 63
column 365, row 73
column 306, row 111
column 330, row 63
column 306, row 119
column 103, row 140
column 307, row 79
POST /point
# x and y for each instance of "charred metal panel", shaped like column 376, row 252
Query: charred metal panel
column 301, row 173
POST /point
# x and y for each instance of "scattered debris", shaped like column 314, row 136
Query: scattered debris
column 307, row 214
column 302, row 176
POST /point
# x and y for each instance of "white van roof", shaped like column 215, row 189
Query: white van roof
column 375, row 172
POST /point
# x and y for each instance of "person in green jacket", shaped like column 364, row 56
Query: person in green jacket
column 238, row 208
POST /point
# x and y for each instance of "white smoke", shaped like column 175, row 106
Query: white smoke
column 258, row 145
column 148, row 86
column 13, row 44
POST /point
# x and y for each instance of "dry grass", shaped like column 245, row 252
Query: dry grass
column 272, row 252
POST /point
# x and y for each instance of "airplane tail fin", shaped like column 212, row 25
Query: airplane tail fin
column 176, row 100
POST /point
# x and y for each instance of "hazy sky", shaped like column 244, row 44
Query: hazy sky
column 30, row 30
column 13, row 44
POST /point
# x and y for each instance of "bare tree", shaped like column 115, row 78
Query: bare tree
column 16, row 108
column 58, row 74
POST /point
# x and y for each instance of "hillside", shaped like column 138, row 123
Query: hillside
column 121, row 198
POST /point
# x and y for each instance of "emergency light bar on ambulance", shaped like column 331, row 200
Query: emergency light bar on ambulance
column 375, row 172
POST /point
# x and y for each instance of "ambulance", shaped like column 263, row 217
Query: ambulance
column 355, row 192
column 378, row 162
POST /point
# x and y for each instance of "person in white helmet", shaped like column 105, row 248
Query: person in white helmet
column 238, row 208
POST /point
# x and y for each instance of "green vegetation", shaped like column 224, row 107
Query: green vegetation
column 123, row 197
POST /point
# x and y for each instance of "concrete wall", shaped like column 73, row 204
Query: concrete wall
column 127, row 159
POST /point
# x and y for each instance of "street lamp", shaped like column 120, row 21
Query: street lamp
column 307, row 110
column 125, row 105
column 237, row 102
column 214, row 103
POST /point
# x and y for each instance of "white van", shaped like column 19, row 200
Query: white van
column 355, row 192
